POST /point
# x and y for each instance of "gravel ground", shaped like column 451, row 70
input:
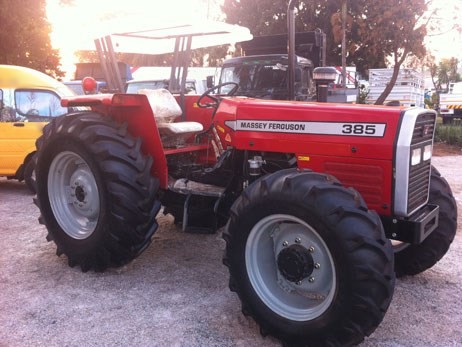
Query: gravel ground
column 176, row 293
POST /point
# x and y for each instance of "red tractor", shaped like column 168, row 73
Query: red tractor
column 323, row 203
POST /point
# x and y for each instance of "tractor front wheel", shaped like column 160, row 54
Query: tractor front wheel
column 95, row 191
column 308, row 260
column 414, row 259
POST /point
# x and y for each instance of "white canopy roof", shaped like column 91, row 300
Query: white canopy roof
column 162, row 40
column 160, row 37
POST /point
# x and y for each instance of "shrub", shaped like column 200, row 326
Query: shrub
column 450, row 134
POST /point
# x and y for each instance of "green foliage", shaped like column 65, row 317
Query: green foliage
column 265, row 17
column 24, row 36
column 432, row 101
column 262, row 17
column 450, row 134
column 375, row 29
column 444, row 73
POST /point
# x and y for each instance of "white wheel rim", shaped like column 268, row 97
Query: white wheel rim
column 302, row 301
column 73, row 195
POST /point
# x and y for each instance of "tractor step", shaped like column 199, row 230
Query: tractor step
column 196, row 189
column 185, row 186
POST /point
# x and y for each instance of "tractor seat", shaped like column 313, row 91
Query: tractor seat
column 166, row 110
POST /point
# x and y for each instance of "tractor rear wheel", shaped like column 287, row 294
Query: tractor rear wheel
column 95, row 192
column 308, row 260
column 29, row 174
column 414, row 259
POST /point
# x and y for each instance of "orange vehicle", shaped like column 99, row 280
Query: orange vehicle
column 29, row 99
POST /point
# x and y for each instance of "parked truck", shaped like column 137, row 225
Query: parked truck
column 408, row 90
column 263, row 70
column 450, row 107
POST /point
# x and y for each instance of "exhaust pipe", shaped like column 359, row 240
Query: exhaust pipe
column 291, row 48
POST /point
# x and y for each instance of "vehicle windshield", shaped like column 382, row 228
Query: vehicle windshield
column 260, row 80
column 31, row 105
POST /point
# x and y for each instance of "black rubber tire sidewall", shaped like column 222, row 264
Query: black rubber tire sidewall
column 127, row 192
column 345, row 322
column 74, row 248
column 255, row 214
column 413, row 259
column 29, row 168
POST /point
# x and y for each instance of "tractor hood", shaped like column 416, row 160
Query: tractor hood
column 314, row 128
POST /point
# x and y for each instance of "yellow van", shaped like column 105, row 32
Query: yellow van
column 28, row 100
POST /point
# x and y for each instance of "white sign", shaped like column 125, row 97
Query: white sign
column 319, row 128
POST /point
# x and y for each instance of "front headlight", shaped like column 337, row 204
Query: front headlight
column 427, row 154
column 416, row 156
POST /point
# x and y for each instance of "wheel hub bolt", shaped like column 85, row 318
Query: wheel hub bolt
column 311, row 249
column 285, row 244
column 311, row 279
column 298, row 240
column 299, row 283
column 317, row 266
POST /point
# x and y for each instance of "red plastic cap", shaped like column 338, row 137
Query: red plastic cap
column 89, row 85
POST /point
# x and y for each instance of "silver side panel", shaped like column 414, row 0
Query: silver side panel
column 403, row 158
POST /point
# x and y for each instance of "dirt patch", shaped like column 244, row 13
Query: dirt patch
column 441, row 149
column 176, row 293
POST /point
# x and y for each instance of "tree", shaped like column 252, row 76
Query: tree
column 443, row 73
column 265, row 17
column 395, row 28
column 25, row 36
column 376, row 30
column 262, row 17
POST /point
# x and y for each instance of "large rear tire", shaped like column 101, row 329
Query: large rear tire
column 29, row 173
column 308, row 260
column 414, row 259
column 95, row 192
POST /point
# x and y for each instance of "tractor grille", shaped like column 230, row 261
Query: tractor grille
column 424, row 128
column 419, row 182
column 419, row 175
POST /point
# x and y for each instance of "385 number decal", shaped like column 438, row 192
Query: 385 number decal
column 359, row 129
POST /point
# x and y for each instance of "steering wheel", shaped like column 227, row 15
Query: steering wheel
column 215, row 100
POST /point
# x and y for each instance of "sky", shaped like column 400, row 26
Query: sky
column 449, row 44
column 75, row 27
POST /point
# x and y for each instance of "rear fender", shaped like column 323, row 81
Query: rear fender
column 134, row 109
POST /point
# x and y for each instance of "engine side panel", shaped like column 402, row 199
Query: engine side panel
column 355, row 143
column 322, row 129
